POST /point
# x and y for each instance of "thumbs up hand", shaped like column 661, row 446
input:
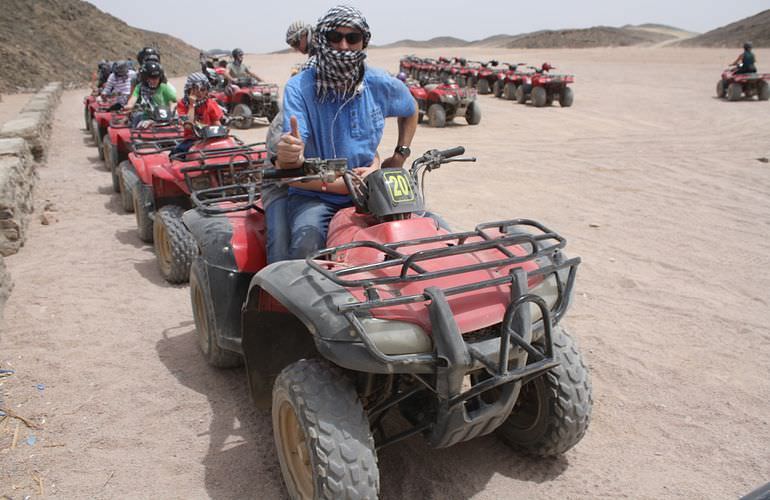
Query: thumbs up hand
column 290, row 147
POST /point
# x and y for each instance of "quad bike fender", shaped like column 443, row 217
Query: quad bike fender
column 313, row 300
column 241, row 97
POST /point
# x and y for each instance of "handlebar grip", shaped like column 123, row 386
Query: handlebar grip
column 281, row 173
column 448, row 153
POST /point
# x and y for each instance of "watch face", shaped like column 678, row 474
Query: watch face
column 403, row 150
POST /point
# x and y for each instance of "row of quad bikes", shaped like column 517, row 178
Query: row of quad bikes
column 458, row 332
column 513, row 81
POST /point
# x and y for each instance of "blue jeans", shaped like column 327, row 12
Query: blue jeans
column 309, row 219
column 278, row 234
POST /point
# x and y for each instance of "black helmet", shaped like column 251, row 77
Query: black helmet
column 237, row 53
column 121, row 68
column 151, row 58
column 151, row 69
column 141, row 57
column 748, row 46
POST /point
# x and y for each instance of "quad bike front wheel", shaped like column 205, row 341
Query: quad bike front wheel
column 497, row 88
column 567, row 97
column 106, row 151
column 87, row 118
column 473, row 113
column 721, row 89
column 521, row 95
column 539, row 97
column 128, row 181
column 553, row 410
column 436, row 116
column 509, row 91
column 97, row 135
column 322, row 435
column 205, row 323
column 143, row 207
column 174, row 245
column 241, row 116
column 734, row 92
column 483, row 86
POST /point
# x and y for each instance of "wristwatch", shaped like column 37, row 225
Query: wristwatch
column 403, row 151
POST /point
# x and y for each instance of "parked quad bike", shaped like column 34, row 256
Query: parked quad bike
column 252, row 100
column 160, row 184
column 459, row 333
column 508, row 81
column 100, row 114
column 736, row 86
column 544, row 87
column 444, row 101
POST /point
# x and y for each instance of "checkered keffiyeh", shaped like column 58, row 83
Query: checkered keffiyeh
column 339, row 71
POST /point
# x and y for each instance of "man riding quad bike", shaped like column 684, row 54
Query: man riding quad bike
column 742, row 80
column 459, row 333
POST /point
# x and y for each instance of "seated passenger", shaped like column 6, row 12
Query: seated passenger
column 746, row 62
column 237, row 70
column 118, row 84
column 149, row 92
column 197, row 108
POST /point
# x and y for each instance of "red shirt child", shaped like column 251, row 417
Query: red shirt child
column 207, row 112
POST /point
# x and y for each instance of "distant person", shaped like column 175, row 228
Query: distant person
column 746, row 62
column 197, row 107
column 237, row 69
column 221, row 68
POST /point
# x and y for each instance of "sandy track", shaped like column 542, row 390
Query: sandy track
column 671, row 308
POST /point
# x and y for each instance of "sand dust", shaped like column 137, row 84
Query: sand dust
column 653, row 181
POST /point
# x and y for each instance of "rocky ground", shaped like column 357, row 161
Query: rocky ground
column 654, row 182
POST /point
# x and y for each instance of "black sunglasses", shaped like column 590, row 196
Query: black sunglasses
column 336, row 37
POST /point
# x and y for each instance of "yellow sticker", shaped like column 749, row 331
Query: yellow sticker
column 399, row 187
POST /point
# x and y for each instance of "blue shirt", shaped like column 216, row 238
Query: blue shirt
column 344, row 128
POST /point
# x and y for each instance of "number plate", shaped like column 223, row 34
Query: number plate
column 399, row 187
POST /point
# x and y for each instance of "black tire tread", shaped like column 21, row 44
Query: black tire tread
column 341, row 444
column 183, row 245
column 569, row 408
column 140, row 194
column 128, row 181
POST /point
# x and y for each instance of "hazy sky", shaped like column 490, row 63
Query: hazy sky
column 258, row 26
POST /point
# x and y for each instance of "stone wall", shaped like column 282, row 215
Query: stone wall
column 23, row 144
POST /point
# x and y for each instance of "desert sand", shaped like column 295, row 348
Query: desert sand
column 654, row 182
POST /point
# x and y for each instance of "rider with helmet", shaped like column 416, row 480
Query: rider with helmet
column 197, row 107
column 746, row 62
column 150, row 91
column 119, row 83
column 237, row 69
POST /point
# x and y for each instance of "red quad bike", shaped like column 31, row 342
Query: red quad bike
column 469, row 74
column 459, row 333
column 160, row 185
column 743, row 85
column 164, row 131
column 442, row 102
column 543, row 87
column 407, row 63
column 512, row 78
column 100, row 120
column 251, row 100
column 488, row 76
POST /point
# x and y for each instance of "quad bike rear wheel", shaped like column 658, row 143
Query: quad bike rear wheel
column 174, row 245
column 322, row 435
column 87, row 118
column 143, row 207
column 539, row 96
column 205, row 322
column 734, row 92
column 473, row 113
column 509, row 91
column 497, row 88
column 553, row 410
column 436, row 115
column 128, row 181
column 483, row 86
column 521, row 96
column 763, row 93
column 107, row 151
column 567, row 97
column 721, row 89
column 241, row 116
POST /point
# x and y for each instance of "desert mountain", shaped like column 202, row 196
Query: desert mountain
column 598, row 36
column 755, row 28
column 46, row 40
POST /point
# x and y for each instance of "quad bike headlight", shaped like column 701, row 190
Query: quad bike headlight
column 397, row 337
column 200, row 182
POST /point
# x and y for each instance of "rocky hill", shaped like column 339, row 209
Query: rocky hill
column 46, row 40
column 755, row 28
